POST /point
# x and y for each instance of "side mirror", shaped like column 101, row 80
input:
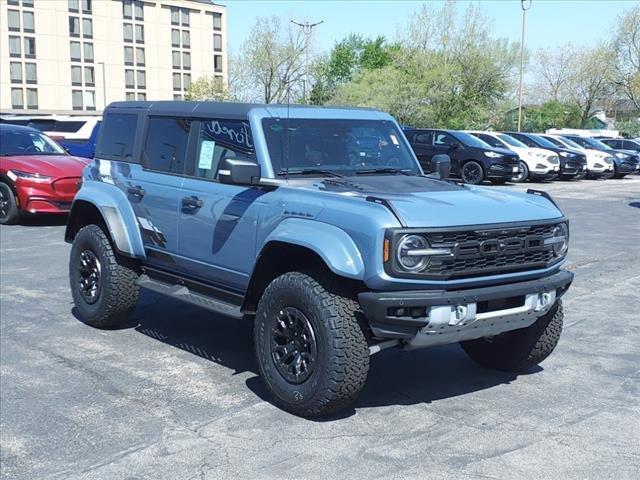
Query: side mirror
column 440, row 166
column 235, row 171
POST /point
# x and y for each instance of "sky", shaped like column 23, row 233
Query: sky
column 549, row 23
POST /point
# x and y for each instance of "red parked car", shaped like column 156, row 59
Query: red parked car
column 36, row 174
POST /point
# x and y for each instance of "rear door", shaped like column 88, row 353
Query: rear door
column 422, row 145
column 445, row 143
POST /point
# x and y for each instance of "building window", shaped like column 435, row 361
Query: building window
column 27, row 3
column 177, row 81
column 139, row 10
column 184, row 17
column 15, row 69
column 217, row 42
column 128, row 55
column 129, row 79
column 126, row 9
column 139, row 33
column 28, row 23
column 76, row 75
column 142, row 96
column 17, row 98
column 140, row 60
column 90, row 100
column 130, row 96
column 175, row 37
column 141, row 79
column 32, row 98
column 186, row 80
column 186, row 39
column 175, row 16
column 74, row 5
column 30, row 73
column 74, row 26
column 217, row 21
column 128, row 32
column 76, row 99
column 13, row 2
column 175, row 55
column 87, row 28
column 89, row 78
column 88, row 52
column 218, row 82
column 186, row 60
column 14, row 20
column 29, row 47
column 14, row 47
column 75, row 51
column 86, row 6
column 177, row 96
column 217, row 63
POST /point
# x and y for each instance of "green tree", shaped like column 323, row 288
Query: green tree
column 626, row 46
column 207, row 88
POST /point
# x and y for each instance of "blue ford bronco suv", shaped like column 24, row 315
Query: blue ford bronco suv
column 318, row 225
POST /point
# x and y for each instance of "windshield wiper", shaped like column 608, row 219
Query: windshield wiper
column 365, row 171
column 310, row 171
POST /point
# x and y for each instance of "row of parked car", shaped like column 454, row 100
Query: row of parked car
column 499, row 157
column 43, row 157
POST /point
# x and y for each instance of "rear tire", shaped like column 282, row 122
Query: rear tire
column 103, row 288
column 519, row 350
column 472, row 173
column 308, row 321
column 9, row 212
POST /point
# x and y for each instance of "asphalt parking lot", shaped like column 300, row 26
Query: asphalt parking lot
column 177, row 396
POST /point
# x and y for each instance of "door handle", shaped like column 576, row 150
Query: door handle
column 191, row 204
column 136, row 191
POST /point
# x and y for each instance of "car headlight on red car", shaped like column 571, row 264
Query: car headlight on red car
column 28, row 176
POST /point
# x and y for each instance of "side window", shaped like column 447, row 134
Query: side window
column 165, row 147
column 618, row 144
column 423, row 138
column 441, row 138
column 218, row 140
column 119, row 132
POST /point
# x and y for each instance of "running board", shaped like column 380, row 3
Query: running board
column 182, row 292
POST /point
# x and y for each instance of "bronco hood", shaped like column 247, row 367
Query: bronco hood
column 427, row 202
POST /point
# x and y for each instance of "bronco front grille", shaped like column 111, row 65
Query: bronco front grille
column 485, row 251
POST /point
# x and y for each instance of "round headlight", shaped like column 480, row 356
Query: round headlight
column 561, row 232
column 406, row 253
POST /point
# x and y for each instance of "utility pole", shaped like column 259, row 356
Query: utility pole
column 307, row 30
column 525, row 5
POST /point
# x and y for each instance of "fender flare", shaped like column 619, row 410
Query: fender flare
column 336, row 248
column 117, row 214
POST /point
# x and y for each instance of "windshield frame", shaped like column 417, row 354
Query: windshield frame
column 33, row 132
column 393, row 137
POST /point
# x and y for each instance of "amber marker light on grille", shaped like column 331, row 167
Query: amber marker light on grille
column 385, row 250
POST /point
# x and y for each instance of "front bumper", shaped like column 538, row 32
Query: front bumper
column 503, row 170
column 405, row 314
column 49, row 197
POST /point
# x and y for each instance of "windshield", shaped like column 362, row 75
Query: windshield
column 469, row 140
column 511, row 141
column 345, row 146
column 570, row 142
column 27, row 142
column 556, row 142
column 543, row 142
column 597, row 143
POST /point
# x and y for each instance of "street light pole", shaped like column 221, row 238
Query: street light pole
column 525, row 5
column 307, row 30
column 104, row 85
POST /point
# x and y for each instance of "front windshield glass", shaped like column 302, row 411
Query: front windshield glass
column 597, row 143
column 342, row 146
column 511, row 141
column 571, row 143
column 543, row 142
column 469, row 140
column 27, row 142
column 555, row 141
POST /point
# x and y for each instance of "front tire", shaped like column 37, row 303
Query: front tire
column 523, row 173
column 9, row 212
column 519, row 350
column 472, row 173
column 103, row 287
column 311, row 350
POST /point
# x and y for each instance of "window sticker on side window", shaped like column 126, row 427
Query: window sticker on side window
column 206, row 154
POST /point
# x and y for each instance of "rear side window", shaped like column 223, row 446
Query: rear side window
column 165, row 147
column 118, row 136
column 423, row 138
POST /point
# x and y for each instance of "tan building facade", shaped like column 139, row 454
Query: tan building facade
column 64, row 56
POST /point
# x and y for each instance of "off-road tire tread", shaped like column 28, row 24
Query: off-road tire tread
column 347, row 370
column 519, row 350
column 119, row 291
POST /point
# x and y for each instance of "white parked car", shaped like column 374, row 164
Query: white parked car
column 535, row 163
column 66, row 127
column 599, row 164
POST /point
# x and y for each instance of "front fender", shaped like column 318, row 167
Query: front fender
column 331, row 243
column 117, row 213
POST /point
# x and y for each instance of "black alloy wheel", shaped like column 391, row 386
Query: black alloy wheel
column 89, row 278
column 9, row 213
column 293, row 345
column 472, row 173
